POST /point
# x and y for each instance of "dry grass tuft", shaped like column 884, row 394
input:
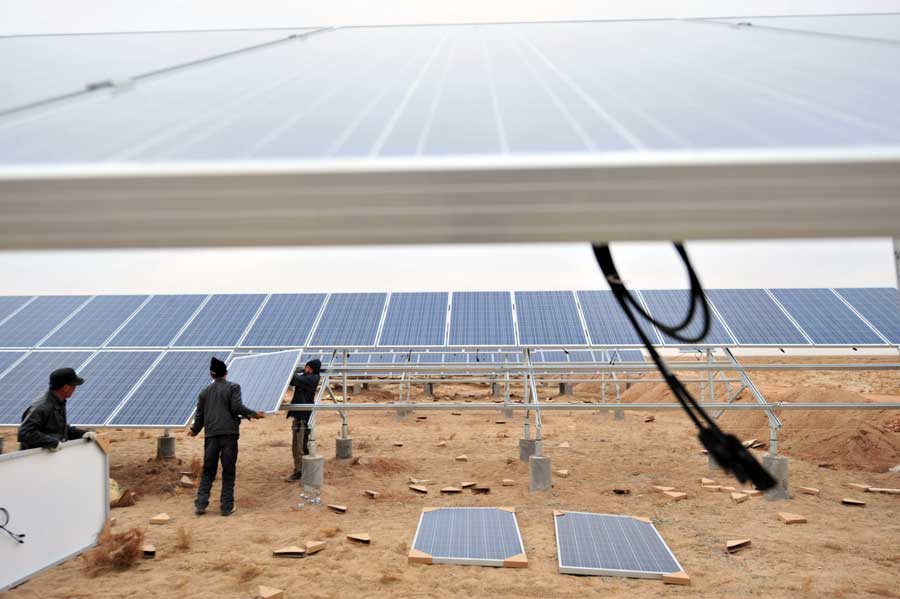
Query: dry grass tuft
column 114, row 552
column 196, row 467
column 184, row 539
column 363, row 444
column 452, row 436
column 330, row 532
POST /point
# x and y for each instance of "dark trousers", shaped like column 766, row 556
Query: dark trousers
column 298, row 443
column 224, row 448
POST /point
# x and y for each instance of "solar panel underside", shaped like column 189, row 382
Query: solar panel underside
column 880, row 306
column 27, row 381
column 468, row 536
column 754, row 318
column 606, row 323
column 415, row 319
column 168, row 396
column 10, row 304
column 670, row 306
column 349, row 319
column 108, row 378
column 158, row 321
column 285, row 321
column 548, row 318
column 33, row 322
column 221, row 322
column 825, row 318
column 481, row 318
column 264, row 378
column 94, row 323
column 605, row 545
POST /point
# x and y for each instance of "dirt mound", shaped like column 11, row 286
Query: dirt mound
column 153, row 477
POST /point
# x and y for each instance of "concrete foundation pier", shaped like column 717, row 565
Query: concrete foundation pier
column 540, row 473
column 526, row 449
column 429, row 389
column 165, row 448
column 565, row 388
column 778, row 467
column 343, row 448
column 313, row 471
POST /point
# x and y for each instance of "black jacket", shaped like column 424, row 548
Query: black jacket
column 219, row 407
column 44, row 424
column 304, row 392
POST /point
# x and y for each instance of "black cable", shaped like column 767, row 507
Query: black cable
column 724, row 448
column 18, row 538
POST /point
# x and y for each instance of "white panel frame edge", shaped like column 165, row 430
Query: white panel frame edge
column 66, row 492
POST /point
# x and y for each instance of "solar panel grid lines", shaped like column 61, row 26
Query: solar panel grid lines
column 109, row 376
column 350, row 320
column 651, row 330
column 670, row 306
column 383, row 319
column 221, row 322
column 548, row 318
column 158, row 322
column 515, row 318
column 124, row 323
column 859, row 314
column 38, row 319
column 28, row 380
column 755, row 318
column 477, row 536
column 264, row 378
column 285, row 320
column 825, row 318
column 605, row 322
column 482, row 318
column 879, row 306
column 253, row 319
column 581, row 318
column 414, row 319
column 8, row 359
column 448, row 319
column 10, row 305
column 95, row 322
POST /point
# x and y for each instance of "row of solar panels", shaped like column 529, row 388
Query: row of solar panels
column 745, row 317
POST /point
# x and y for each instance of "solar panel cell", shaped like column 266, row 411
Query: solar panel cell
column 27, row 381
column 754, row 318
column 415, row 319
column 94, row 323
column 880, row 307
column 349, row 319
column 34, row 321
column 158, row 321
column 109, row 376
column 825, row 318
column 285, row 321
column 548, row 318
column 221, row 322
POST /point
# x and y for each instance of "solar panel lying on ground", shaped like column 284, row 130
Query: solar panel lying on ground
column 880, row 306
column 263, row 378
column 158, row 321
column 605, row 545
column 754, row 318
column 481, row 318
column 33, row 322
column 548, row 318
column 285, row 321
column 825, row 318
column 349, row 319
column 108, row 378
column 470, row 536
column 415, row 319
column 221, row 322
column 168, row 396
column 28, row 381
column 670, row 306
column 606, row 323
column 94, row 323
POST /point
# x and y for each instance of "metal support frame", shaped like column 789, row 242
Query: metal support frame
column 774, row 421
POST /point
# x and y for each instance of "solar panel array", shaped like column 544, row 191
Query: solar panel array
column 108, row 378
column 880, row 306
column 35, row 321
column 825, row 318
column 469, row 536
column 548, row 318
column 27, row 381
column 349, row 319
column 669, row 306
column 158, row 322
column 755, row 318
column 263, row 378
column 94, row 323
column 221, row 322
column 285, row 321
column 483, row 318
column 415, row 319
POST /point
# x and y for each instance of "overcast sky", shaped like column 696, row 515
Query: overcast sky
column 548, row 266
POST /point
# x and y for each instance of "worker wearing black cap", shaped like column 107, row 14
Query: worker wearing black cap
column 304, row 393
column 44, row 422
column 219, row 409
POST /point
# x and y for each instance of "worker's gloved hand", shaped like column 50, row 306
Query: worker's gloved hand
column 89, row 436
column 260, row 414
column 54, row 448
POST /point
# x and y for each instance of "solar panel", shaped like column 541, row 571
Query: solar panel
column 754, row 318
column 9, row 304
column 548, row 318
column 669, row 306
column 263, row 378
column 221, row 322
column 285, row 321
column 108, row 378
column 94, row 323
column 34, row 321
column 879, row 306
column 581, row 356
column 481, row 318
column 628, row 355
column 605, row 545
column 158, row 321
column 349, row 319
column 469, row 536
column 825, row 318
column 168, row 396
column 415, row 319
column 8, row 358
column 28, row 381
column 606, row 323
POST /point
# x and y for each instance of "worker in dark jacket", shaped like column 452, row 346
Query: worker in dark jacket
column 304, row 393
column 219, row 409
column 44, row 422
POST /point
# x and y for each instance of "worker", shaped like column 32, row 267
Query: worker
column 304, row 393
column 219, row 409
column 44, row 422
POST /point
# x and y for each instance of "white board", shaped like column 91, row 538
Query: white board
column 60, row 501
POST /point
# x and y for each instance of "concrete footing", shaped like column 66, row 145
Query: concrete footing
column 540, row 473
column 343, row 448
column 508, row 413
column 619, row 414
column 778, row 468
column 526, row 449
column 165, row 448
column 713, row 464
column 495, row 389
column 429, row 389
column 313, row 471
column 565, row 388
column 402, row 413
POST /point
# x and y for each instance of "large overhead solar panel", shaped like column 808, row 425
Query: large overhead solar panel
column 168, row 396
column 880, row 306
column 10, row 303
column 471, row 536
column 158, row 322
column 33, row 322
column 264, row 378
column 669, row 306
column 108, row 378
column 754, row 318
column 878, row 27
column 825, row 318
column 548, row 318
column 94, row 323
column 221, row 322
column 28, row 380
column 606, row 323
column 481, row 318
column 285, row 321
column 415, row 319
column 349, row 319
column 606, row 545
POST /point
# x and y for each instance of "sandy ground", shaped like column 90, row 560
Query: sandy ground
column 841, row 552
